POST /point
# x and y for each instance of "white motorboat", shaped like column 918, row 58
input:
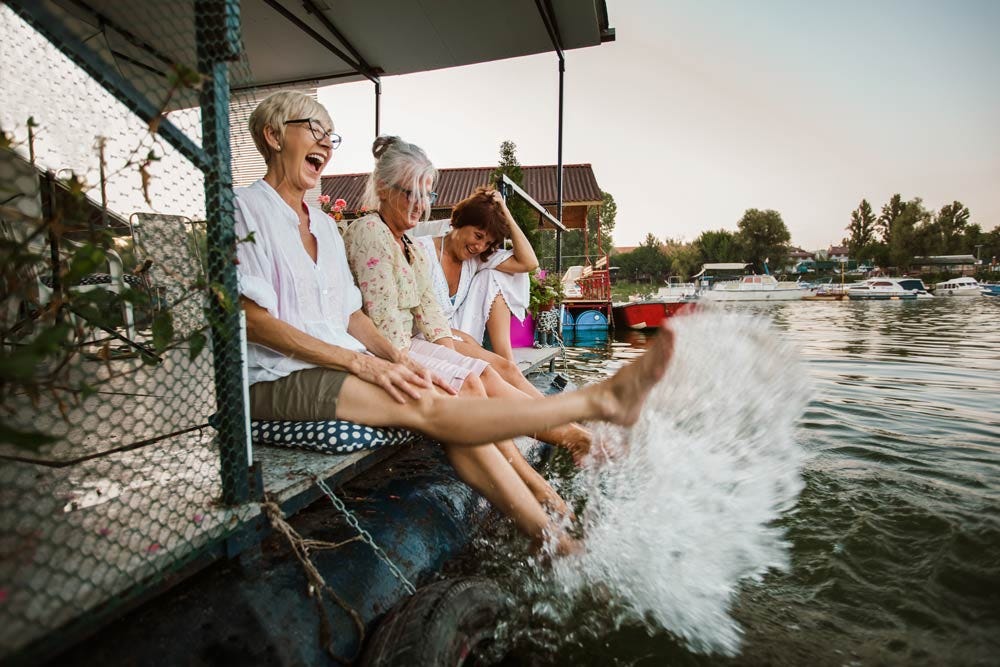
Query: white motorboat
column 676, row 291
column 880, row 289
column 964, row 286
column 755, row 288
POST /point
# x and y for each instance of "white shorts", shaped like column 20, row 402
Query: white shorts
column 453, row 366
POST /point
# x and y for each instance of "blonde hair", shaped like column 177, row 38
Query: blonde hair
column 275, row 110
column 401, row 164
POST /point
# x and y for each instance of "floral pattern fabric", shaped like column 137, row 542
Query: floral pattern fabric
column 397, row 295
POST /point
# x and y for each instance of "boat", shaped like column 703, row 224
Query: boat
column 648, row 313
column 915, row 284
column 880, row 289
column 990, row 289
column 827, row 292
column 755, row 288
column 964, row 286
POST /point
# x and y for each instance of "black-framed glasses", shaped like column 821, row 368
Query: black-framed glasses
column 411, row 196
column 317, row 131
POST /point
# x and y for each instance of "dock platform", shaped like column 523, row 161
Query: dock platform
column 110, row 525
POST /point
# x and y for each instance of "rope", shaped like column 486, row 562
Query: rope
column 317, row 585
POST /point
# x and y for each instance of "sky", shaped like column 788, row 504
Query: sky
column 700, row 110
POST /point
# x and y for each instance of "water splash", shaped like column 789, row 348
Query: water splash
column 674, row 525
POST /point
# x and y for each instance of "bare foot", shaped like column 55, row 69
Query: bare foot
column 624, row 394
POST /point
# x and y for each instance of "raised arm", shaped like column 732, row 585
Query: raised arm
column 524, row 259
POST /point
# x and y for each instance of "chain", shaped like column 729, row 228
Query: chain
column 366, row 536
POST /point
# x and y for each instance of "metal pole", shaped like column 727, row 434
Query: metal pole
column 559, row 166
column 218, row 39
column 378, row 108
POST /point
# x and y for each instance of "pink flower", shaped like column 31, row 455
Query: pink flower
column 104, row 532
column 197, row 518
column 153, row 548
column 325, row 199
column 338, row 205
column 372, row 263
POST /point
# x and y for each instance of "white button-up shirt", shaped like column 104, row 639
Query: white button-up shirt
column 277, row 273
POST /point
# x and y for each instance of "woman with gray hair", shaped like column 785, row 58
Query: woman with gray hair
column 314, row 355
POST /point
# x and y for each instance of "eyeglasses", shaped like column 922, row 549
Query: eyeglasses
column 411, row 196
column 317, row 131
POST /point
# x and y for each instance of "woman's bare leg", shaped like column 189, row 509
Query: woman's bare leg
column 498, row 326
column 474, row 421
column 506, row 379
column 540, row 489
column 571, row 437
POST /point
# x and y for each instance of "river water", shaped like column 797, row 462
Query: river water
column 887, row 553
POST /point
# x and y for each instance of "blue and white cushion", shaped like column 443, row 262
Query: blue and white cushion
column 329, row 437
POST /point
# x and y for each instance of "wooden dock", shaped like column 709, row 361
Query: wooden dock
column 77, row 539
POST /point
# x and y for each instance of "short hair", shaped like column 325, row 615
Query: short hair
column 482, row 211
column 397, row 163
column 275, row 110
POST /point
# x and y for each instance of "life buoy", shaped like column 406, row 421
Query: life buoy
column 442, row 624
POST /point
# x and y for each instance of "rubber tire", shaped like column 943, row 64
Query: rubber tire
column 439, row 626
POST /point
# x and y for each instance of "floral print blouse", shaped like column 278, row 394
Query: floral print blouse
column 397, row 295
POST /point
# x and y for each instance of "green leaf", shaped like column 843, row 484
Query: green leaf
column 19, row 365
column 24, row 439
column 163, row 330
column 197, row 342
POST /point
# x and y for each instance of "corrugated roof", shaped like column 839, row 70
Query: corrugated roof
column 579, row 185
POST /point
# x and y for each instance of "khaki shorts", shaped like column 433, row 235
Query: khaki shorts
column 308, row 395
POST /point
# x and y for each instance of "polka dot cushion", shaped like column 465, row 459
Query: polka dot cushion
column 328, row 437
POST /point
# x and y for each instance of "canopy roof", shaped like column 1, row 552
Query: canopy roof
column 308, row 42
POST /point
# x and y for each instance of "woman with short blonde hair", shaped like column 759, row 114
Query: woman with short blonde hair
column 312, row 353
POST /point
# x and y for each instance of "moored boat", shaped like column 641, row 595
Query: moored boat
column 755, row 288
column 880, row 289
column 990, row 289
column 964, row 286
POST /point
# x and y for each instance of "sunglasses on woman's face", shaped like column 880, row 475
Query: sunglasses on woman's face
column 411, row 196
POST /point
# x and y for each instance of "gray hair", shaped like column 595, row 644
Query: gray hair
column 401, row 164
column 275, row 110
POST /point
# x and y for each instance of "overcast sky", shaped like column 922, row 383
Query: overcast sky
column 703, row 109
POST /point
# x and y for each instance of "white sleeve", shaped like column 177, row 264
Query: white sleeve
column 254, row 266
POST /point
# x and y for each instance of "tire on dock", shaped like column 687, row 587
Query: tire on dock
column 442, row 624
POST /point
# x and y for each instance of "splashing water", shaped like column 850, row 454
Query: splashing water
column 674, row 525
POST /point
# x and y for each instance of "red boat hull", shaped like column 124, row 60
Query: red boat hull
column 648, row 314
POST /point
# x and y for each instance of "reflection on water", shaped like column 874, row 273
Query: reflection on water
column 894, row 538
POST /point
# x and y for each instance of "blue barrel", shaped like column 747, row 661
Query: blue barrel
column 591, row 320
column 567, row 319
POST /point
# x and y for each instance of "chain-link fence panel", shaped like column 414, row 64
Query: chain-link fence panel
column 119, row 326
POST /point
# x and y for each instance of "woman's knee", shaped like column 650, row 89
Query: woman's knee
column 472, row 386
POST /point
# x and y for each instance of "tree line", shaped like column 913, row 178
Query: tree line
column 905, row 230
column 761, row 238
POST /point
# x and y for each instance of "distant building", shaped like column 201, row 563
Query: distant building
column 580, row 190
column 837, row 253
column 964, row 264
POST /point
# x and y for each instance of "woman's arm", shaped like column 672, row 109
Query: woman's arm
column 398, row 380
column 362, row 328
column 524, row 259
column 371, row 253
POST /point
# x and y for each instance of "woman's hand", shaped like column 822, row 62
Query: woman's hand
column 397, row 379
column 498, row 198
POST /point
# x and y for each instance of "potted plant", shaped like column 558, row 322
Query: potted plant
column 546, row 292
